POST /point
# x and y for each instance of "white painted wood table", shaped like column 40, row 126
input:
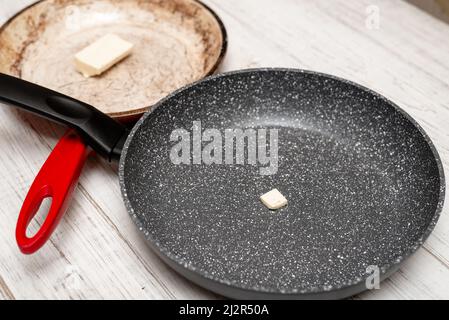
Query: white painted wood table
column 96, row 252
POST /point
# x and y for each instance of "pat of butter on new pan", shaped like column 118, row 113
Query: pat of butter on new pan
column 273, row 200
column 102, row 55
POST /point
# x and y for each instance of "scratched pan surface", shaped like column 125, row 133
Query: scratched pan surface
column 364, row 185
column 175, row 42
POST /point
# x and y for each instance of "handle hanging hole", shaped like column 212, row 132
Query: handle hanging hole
column 41, row 214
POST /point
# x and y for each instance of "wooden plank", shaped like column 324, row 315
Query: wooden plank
column 97, row 252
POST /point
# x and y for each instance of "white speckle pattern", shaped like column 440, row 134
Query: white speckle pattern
column 367, row 181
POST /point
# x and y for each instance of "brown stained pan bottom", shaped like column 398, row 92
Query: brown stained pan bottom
column 176, row 43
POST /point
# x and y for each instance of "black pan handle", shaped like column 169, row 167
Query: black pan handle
column 102, row 133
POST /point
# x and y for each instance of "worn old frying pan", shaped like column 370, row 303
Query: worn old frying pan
column 176, row 42
column 365, row 184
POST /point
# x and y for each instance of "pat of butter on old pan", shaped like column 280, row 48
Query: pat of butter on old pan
column 273, row 200
column 102, row 55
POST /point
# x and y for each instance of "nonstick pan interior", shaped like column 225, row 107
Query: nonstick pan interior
column 364, row 183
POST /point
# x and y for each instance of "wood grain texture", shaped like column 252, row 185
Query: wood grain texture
column 96, row 252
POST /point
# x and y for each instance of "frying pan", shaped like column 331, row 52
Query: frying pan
column 160, row 64
column 176, row 42
column 364, row 182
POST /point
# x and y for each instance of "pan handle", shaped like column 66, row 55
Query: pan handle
column 57, row 180
column 102, row 133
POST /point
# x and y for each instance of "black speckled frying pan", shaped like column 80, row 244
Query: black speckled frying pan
column 364, row 183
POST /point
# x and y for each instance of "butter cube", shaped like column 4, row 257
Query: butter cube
column 273, row 200
column 102, row 55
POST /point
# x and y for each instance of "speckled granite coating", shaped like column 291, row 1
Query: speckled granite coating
column 364, row 183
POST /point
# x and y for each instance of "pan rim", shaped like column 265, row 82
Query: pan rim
column 137, row 112
column 385, row 270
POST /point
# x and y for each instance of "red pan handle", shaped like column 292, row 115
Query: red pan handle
column 57, row 179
